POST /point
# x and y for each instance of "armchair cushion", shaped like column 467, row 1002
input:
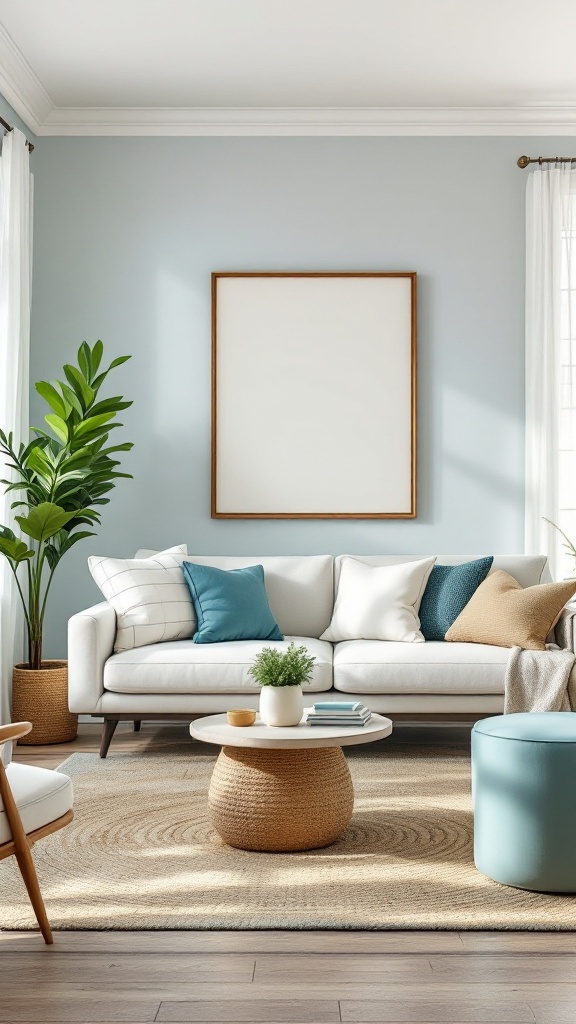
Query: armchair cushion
column 41, row 796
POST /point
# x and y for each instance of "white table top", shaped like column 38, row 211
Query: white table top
column 215, row 729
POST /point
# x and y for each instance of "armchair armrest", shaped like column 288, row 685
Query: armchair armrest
column 91, row 636
column 565, row 628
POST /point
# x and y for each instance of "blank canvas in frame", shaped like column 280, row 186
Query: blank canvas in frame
column 313, row 395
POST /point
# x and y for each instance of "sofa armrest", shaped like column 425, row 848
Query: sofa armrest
column 91, row 635
column 565, row 628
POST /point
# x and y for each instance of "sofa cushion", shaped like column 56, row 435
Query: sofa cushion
column 379, row 602
column 448, row 591
column 373, row 666
column 502, row 612
column 186, row 667
column 230, row 604
column 149, row 595
column 300, row 588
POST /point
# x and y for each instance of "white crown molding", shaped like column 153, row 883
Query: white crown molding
column 22, row 89
column 214, row 121
column 20, row 86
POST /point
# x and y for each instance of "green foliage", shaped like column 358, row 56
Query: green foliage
column 274, row 667
column 61, row 478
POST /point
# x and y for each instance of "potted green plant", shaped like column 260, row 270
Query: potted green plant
column 61, row 477
column 281, row 674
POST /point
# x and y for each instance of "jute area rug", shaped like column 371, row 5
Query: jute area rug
column 140, row 854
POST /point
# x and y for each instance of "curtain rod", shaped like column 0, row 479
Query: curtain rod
column 9, row 128
column 523, row 161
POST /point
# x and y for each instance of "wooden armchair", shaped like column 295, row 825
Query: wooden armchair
column 33, row 803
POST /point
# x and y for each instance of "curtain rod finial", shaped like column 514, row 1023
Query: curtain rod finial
column 523, row 161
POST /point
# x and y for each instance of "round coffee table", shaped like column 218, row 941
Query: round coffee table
column 282, row 789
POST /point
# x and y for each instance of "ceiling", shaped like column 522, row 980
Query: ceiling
column 185, row 67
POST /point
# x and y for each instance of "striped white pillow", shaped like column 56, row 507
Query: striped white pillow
column 149, row 595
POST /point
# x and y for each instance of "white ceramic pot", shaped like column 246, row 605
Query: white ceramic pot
column 281, row 705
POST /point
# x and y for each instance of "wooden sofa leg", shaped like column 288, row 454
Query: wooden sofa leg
column 137, row 724
column 107, row 733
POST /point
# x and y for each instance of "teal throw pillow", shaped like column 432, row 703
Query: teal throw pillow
column 230, row 604
column 447, row 592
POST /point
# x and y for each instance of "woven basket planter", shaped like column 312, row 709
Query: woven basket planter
column 40, row 696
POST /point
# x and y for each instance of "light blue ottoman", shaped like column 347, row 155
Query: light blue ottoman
column 524, row 793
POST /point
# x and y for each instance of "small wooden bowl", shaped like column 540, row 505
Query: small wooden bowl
column 241, row 716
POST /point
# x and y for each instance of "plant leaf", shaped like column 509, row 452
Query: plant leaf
column 73, row 538
column 59, row 426
column 93, row 423
column 44, row 520
column 14, row 550
column 49, row 394
column 110, row 405
column 80, row 386
column 70, row 397
column 99, row 380
column 96, row 358
column 118, row 361
column 84, row 360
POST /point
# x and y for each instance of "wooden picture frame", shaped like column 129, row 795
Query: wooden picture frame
column 313, row 395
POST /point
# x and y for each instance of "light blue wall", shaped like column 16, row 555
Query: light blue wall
column 127, row 232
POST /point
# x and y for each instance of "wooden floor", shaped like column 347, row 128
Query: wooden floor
column 274, row 977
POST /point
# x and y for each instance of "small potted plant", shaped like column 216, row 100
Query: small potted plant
column 281, row 674
column 60, row 480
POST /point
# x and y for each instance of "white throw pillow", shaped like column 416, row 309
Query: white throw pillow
column 379, row 602
column 149, row 595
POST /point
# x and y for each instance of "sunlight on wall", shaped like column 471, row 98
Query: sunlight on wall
column 491, row 439
column 179, row 359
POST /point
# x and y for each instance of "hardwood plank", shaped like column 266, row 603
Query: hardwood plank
column 513, row 969
column 295, row 1011
column 40, row 1008
column 242, row 942
column 429, row 1011
column 340, row 969
column 512, row 942
column 379, row 991
column 554, row 1011
column 147, row 970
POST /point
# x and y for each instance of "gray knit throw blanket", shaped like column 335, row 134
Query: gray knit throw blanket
column 541, row 680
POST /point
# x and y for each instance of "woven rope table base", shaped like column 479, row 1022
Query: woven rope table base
column 280, row 800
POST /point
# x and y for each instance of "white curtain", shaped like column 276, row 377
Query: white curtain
column 15, row 286
column 548, row 243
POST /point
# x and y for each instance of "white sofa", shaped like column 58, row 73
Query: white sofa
column 184, row 679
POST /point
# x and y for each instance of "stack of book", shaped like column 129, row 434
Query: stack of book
column 335, row 712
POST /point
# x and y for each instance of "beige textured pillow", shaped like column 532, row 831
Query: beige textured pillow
column 502, row 613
